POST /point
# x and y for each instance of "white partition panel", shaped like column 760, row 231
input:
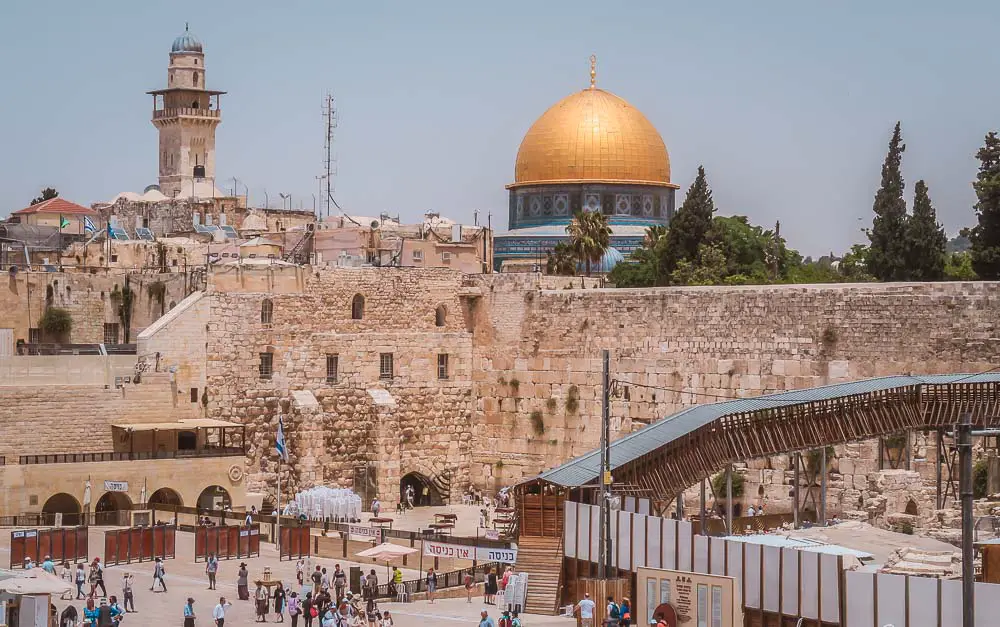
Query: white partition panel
column 583, row 533
column 700, row 557
column 623, row 536
column 951, row 602
column 829, row 574
column 669, row 550
column 923, row 602
column 735, row 566
column 654, row 538
column 718, row 553
column 628, row 504
column 614, row 539
column 772, row 578
column 569, row 528
column 810, row 584
column 645, row 506
column 595, row 525
column 684, row 533
column 790, row 581
column 892, row 599
column 640, row 531
column 987, row 604
column 752, row 559
column 860, row 599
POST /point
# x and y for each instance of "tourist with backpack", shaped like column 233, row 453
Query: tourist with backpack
column 626, row 612
column 614, row 613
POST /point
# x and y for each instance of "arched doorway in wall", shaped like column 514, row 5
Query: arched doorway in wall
column 109, row 508
column 424, row 492
column 214, row 497
column 65, row 504
column 164, row 498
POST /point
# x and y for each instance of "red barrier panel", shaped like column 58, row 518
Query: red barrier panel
column 142, row 544
column 62, row 544
column 295, row 543
column 227, row 542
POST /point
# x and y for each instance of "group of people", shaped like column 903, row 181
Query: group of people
column 615, row 614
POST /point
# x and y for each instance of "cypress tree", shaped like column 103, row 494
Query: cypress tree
column 690, row 225
column 925, row 239
column 985, row 236
column 887, row 258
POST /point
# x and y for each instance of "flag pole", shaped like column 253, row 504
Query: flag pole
column 277, row 513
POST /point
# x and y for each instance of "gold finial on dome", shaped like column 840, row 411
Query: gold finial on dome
column 593, row 71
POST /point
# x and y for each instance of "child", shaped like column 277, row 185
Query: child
column 371, row 612
column 386, row 619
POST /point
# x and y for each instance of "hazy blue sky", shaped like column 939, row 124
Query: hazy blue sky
column 789, row 104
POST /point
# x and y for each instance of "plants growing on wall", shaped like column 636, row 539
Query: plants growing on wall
column 56, row 324
column 719, row 485
column 157, row 292
column 537, row 422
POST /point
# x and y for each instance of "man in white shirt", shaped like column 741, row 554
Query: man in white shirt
column 586, row 607
column 219, row 613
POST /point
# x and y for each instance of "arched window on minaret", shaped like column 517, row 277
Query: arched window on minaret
column 195, row 78
column 194, row 105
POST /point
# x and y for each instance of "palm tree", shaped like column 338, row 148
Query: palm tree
column 653, row 235
column 590, row 236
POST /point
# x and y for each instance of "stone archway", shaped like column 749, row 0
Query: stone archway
column 165, row 497
column 424, row 491
column 214, row 497
column 110, row 507
column 911, row 508
column 65, row 504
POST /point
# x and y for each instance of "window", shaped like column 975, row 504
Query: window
column 34, row 336
column 208, row 219
column 194, row 395
column 197, row 217
column 222, row 219
column 114, row 258
column 358, row 307
column 332, row 365
column 440, row 316
column 443, row 366
column 110, row 332
column 266, row 365
column 418, row 256
column 187, row 441
column 385, row 366
column 266, row 309
column 446, row 257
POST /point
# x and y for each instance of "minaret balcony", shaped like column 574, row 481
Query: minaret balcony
column 186, row 112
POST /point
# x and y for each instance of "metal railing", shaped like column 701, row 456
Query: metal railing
column 176, row 111
column 451, row 579
column 71, row 458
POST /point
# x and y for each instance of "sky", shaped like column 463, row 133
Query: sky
column 789, row 105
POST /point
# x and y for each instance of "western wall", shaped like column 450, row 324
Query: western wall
column 522, row 391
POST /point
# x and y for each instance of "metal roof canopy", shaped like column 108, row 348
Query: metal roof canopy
column 181, row 425
column 586, row 468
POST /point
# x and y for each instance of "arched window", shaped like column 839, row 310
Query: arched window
column 266, row 309
column 440, row 316
column 358, row 307
column 195, row 78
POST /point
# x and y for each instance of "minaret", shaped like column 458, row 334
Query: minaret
column 186, row 114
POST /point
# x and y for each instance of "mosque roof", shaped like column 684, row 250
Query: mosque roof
column 592, row 136
column 186, row 42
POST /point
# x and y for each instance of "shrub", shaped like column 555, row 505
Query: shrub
column 906, row 527
column 980, row 473
column 573, row 399
column 537, row 422
column 719, row 485
column 56, row 324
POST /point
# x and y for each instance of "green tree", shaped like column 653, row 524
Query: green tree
column 56, row 324
column 47, row 194
column 925, row 238
column 561, row 260
column 690, row 226
column 708, row 268
column 958, row 267
column 590, row 236
column 854, row 265
column 887, row 260
column 985, row 236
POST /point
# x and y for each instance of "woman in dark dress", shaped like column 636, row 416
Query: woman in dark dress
column 243, row 582
column 279, row 603
column 491, row 587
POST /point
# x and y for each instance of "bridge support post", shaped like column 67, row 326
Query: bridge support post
column 965, row 489
column 939, row 437
column 729, row 500
column 822, row 488
column 795, row 489
column 704, row 524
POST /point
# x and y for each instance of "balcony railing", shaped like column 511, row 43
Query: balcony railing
column 189, row 111
column 72, row 458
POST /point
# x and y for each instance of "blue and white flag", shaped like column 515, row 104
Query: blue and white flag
column 88, row 225
column 280, row 442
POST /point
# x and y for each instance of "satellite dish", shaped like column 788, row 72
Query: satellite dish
column 374, row 224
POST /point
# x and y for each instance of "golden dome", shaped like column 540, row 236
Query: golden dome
column 589, row 137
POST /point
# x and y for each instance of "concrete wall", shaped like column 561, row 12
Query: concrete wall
column 36, row 370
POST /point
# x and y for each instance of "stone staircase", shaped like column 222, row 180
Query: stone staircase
column 542, row 559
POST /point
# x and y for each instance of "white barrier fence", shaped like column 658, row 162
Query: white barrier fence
column 785, row 581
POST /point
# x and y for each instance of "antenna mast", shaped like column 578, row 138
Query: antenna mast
column 329, row 163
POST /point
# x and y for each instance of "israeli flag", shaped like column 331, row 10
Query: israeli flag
column 88, row 225
column 280, row 442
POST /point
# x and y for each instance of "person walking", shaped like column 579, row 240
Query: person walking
column 485, row 620
column 491, row 587
column 376, row 507
column 324, row 583
column 48, row 565
column 586, row 607
column 104, row 616
column 339, row 581
column 80, row 578
column 317, row 579
column 91, row 614
column 432, row 584
column 158, row 574
column 397, row 581
column 97, row 578
column 279, row 604
column 128, row 600
column 613, row 613
column 116, row 609
column 294, row 608
column 189, row 615
column 309, row 610
column 626, row 612
column 470, row 584
column 219, row 613
column 260, row 600
column 211, row 569
column 243, row 582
